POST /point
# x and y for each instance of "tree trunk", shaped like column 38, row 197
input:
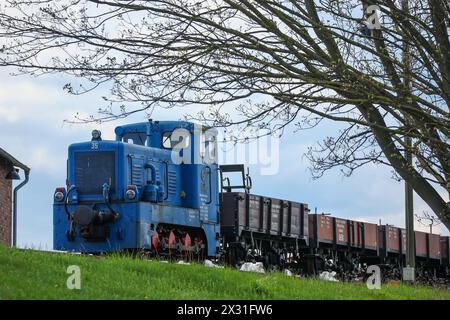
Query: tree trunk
column 420, row 185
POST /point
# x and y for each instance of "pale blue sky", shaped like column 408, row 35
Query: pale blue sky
column 32, row 111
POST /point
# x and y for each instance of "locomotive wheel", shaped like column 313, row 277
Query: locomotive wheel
column 176, row 243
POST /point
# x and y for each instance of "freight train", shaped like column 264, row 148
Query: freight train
column 157, row 189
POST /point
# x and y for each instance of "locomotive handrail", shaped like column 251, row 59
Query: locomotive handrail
column 166, row 178
column 106, row 189
column 153, row 171
column 249, row 182
column 228, row 187
column 246, row 179
column 72, row 187
column 210, row 187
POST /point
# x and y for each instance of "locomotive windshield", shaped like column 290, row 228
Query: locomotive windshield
column 139, row 138
column 92, row 170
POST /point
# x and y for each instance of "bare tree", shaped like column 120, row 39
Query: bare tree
column 263, row 64
column 428, row 220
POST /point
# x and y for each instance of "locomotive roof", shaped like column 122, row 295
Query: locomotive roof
column 142, row 126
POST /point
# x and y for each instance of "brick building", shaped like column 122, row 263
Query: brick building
column 9, row 171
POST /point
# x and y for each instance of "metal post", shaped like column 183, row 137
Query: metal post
column 409, row 213
column 408, row 272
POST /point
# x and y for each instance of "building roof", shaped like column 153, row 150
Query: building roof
column 16, row 163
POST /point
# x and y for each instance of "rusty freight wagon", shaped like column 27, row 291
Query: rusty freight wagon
column 327, row 230
column 427, row 246
column 369, row 236
column 421, row 244
column 392, row 240
column 362, row 235
column 434, row 247
column 342, row 233
column 256, row 216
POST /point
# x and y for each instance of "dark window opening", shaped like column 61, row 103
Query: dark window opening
column 180, row 140
column 139, row 138
column 92, row 170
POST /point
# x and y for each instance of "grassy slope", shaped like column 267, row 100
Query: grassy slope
column 26, row 274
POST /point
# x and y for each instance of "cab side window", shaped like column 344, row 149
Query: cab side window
column 178, row 138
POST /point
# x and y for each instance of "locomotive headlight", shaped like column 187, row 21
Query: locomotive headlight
column 96, row 134
column 131, row 194
column 59, row 196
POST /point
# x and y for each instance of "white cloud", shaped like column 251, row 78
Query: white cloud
column 28, row 101
column 42, row 158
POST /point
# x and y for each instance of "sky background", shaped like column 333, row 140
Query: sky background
column 32, row 111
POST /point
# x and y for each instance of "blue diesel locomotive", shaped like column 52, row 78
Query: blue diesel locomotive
column 155, row 186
